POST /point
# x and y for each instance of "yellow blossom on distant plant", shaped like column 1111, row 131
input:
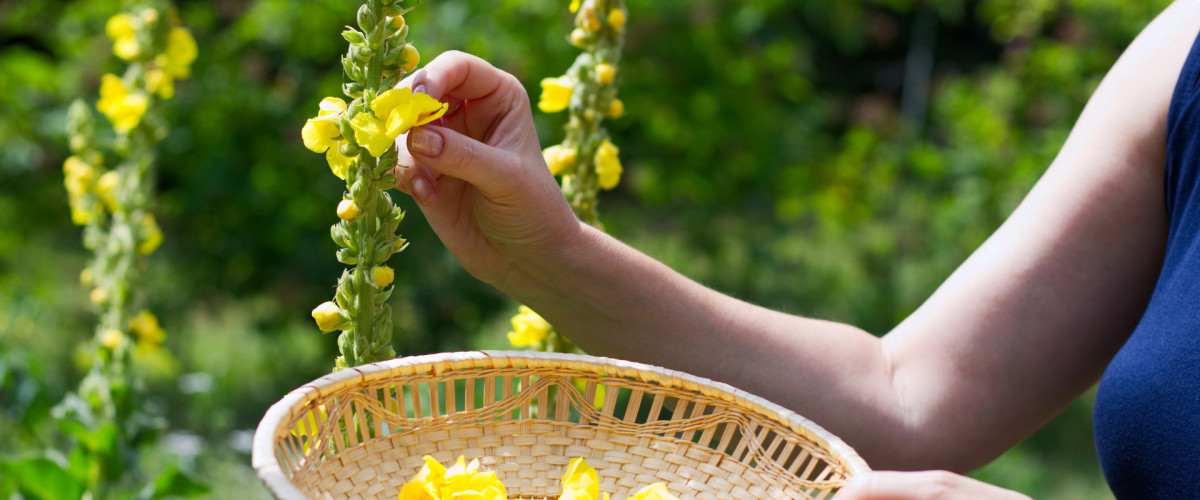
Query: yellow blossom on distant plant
column 383, row 276
column 616, row 108
column 347, row 210
column 152, row 236
column 78, row 175
column 111, row 338
column 616, row 18
column 559, row 157
column 124, row 108
column 605, row 73
column 146, row 328
column 328, row 316
column 574, row 7
column 462, row 481
column 106, row 189
column 180, row 54
column 528, row 328
column 608, row 165
column 85, row 276
column 98, row 296
column 122, row 28
column 656, row 491
column 556, row 94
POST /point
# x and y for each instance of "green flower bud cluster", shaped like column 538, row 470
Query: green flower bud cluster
column 587, row 159
column 358, row 140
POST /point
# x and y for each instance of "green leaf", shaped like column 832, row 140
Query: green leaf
column 43, row 479
column 177, row 483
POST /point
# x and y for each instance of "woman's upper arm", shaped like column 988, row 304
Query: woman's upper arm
column 1032, row 317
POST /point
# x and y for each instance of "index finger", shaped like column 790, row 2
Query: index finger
column 458, row 75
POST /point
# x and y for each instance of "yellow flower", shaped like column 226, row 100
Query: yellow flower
column 152, row 236
column 556, row 94
column 383, row 276
column 460, row 482
column 581, row 38
column 328, row 316
column 605, row 73
column 574, row 7
column 79, row 175
column 608, row 165
column 656, row 491
column 320, row 135
column 122, row 107
column 106, row 189
column 181, row 52
column 396, row 111
column 85, row 276
column 580, row 482
column 98, row 296
column 146, row 328
column 122, row 28
column 616, row 108
column 528, row 328
column 159, row 82
column 616, row 18
column 111, row 338
column 559, row 157
column 308, row 427
column 347, row 210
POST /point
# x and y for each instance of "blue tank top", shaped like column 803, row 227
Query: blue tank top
column 1147, row 418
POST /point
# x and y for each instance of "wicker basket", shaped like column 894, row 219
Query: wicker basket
column 362, row 432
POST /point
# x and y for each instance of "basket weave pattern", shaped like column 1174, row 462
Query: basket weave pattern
column 361, row 433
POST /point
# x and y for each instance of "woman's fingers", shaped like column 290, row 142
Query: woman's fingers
column 445, row 151
column 942, row 485
column 457, row 75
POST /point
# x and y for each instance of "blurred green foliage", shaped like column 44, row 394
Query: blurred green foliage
column 793, row 154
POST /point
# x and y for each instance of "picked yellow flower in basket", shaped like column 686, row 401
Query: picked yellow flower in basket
column 365, row 432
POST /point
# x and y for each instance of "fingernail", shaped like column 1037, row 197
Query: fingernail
column 426, row 142
column 421, row 190
column 419, row 89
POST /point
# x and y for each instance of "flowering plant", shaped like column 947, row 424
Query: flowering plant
column 115, row 206
column 358, row 139
column 464, row 481
column 587, row 160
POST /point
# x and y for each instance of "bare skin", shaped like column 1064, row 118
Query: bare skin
column 1023, row 327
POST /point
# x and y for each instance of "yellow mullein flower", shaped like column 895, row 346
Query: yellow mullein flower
column 347, row 210
column 122, row 28
column 608, row 165
column 320, row 135
column 152, row 236
column 580, row 482
column 574, row 7
column 528, row 328
column 616, row 109
column 556, row 94
column 85, row 277
column 106, row 189
column 146, row 328
column 396, row 111
column 383, row 276
column 581, row 38
column 79, row 175
column 656, row 491
column 328, row 316
column 462, row 481
column 559, row 157
column 111, row 338
column 308, row 428
column 122, row 107
column 605, row 73
column 159, row 82
column 616, row 18
column 180, row 54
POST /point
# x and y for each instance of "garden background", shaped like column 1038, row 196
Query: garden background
column 836, row 159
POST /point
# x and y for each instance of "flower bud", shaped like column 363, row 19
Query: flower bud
column 559, row 158
column 328, row 316
column 354, row 36
column 581, row 38
column 85, row 277
column 366, row 18
column 616, row 18
column 99, row 296
column 616, row 109
column 111, row 338
column 399, row 245
column 347, row 210
column 383, row 276
column 397, row 22
column 605, row 73
column 410, row 57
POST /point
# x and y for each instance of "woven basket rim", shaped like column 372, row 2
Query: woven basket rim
column 269, row 470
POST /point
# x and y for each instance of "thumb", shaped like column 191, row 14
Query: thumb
column 448, row 152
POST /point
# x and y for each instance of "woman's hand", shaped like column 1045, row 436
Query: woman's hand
column 478, row 173
column 925, row 485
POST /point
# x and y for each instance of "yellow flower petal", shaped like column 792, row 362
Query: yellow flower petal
column 328, row 316
column 528, row 328
column 405, row 110
column 556, row 94
column 146, row 328
column 339, row 163
column 151, row 235
column 608, row 165
column 369, row 133
column 656, row 491
column 122, row 25
column 181, row 52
